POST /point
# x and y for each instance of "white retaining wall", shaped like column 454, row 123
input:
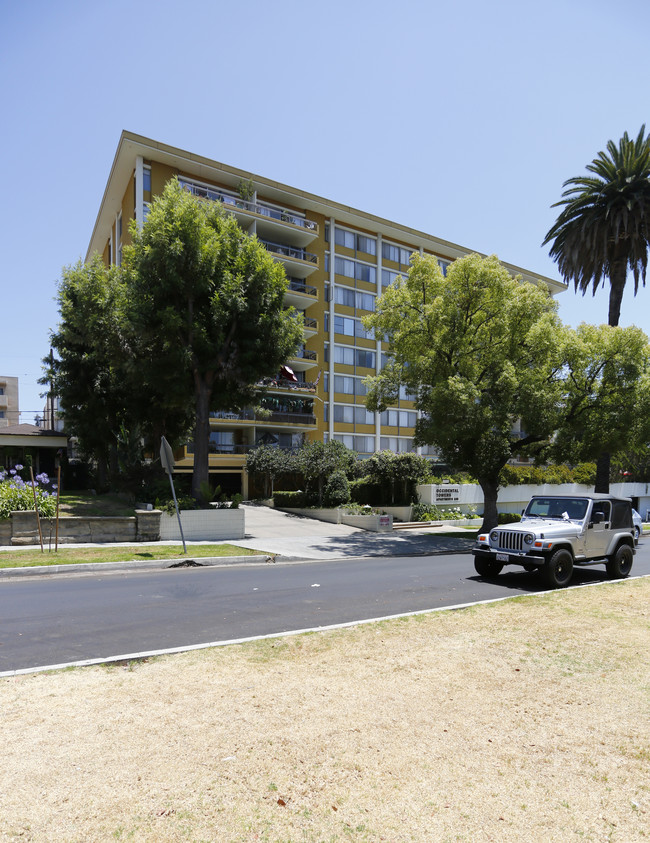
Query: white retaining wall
column 203, row 525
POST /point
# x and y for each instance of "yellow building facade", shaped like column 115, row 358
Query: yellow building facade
column 338, row 261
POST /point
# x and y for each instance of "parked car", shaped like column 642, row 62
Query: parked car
column 638, row 525
column 557, row 533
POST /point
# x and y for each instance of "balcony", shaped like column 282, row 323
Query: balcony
column 310, row 327
column 300, row 294
column 291, row 418
column 303, row 359
column 275, row 223
column 297, row 261
column 284, row 385
column 274, row 417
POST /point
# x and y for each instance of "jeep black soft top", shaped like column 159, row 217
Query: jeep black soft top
column 558, row 532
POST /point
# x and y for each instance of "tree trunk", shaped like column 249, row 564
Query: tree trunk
column 490, row 489
column 617, row 278
column 602, row 473
column 201, row 473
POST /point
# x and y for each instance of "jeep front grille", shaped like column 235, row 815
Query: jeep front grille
column 509, row 540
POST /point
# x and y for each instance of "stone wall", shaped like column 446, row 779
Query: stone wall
column 22, row 529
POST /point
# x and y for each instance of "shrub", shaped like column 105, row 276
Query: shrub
column 365, row 492
column 17, row 496
column 558, row 474
column 337, row 489
column 359, row 509
column 585, row 473
column 509, row 517
column 290, row 500
column 431, row 512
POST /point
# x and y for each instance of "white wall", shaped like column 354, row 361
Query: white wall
column 515, row 498
column 203, row 525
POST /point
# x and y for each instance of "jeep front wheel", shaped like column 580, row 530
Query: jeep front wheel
column 558, row 569
column 487, row 568
column 620, row 565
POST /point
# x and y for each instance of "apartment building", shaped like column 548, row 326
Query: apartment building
column 337, row 259
column 9, row 413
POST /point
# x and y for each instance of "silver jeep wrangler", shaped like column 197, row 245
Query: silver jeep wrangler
column 558, row 532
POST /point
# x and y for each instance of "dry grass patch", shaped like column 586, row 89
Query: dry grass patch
column 525, row 720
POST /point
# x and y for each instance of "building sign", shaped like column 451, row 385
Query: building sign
column 447, row 494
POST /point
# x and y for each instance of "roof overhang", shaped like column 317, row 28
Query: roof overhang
column 131, row 146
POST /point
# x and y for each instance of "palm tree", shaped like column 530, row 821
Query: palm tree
column 604, row 227
column 604, row 230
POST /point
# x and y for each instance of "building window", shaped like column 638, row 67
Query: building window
column 396, row 444
column 354, row 242
column 351, row 298
column 396, row 254
column 364, row 358
column 388, row 277
column 344, row 238
column 353, row 269
column 444, row 265
column 366, row 244
column 343, row 384
column 146, row 178
column 344, row 354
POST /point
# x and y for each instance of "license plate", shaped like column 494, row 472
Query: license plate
column 502, row 557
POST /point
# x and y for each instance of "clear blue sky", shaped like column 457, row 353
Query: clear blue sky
column 460, row 119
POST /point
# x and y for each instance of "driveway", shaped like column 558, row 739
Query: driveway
column 299, row 537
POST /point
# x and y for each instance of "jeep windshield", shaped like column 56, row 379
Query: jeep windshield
column 573, row 509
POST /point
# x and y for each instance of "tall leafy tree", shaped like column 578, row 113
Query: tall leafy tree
column 605, row 393
column 87, row 372
column 206, row 301
column 480, row 352
column 268, row 463
column 603, row 229
column 317, row 461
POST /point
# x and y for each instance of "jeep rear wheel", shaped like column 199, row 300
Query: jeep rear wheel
column 558, row 569
column 487, row 568
column 620, row 565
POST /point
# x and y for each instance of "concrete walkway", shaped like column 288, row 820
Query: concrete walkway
column 299, row 537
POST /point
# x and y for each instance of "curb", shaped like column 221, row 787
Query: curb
column 136, row 565
column 200, row 562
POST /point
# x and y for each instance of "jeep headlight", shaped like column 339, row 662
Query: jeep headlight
column 494, row 536
column 529, row 538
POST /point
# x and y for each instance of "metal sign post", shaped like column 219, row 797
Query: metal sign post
column 167, row 460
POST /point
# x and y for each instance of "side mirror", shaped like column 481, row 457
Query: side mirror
column 597, row 518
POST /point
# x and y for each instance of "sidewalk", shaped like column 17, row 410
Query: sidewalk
column 286, row 537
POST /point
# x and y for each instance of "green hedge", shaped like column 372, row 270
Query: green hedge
column 509, row 517
column 536, row 475
column 290, row 500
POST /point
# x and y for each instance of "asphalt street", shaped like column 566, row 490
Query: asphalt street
column 64, row 619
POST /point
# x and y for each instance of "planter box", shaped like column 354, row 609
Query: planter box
column 374, row 523
column 399, row 513
column 203, row 525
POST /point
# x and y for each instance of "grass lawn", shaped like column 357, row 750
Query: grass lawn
column 83, row 503
column 30, row 557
